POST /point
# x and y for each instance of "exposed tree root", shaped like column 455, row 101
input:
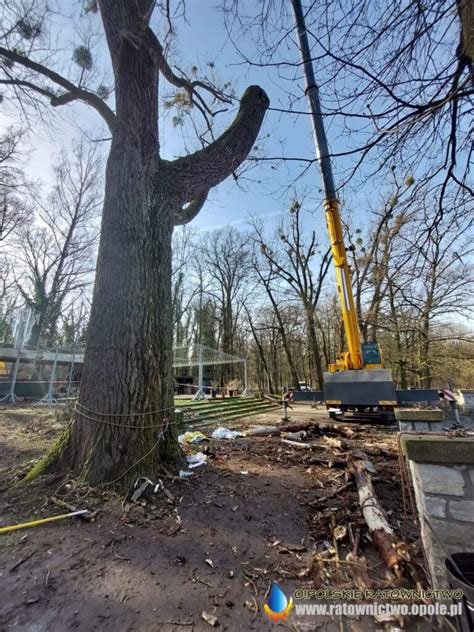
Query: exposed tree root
column 52, row 461
column 95, row 470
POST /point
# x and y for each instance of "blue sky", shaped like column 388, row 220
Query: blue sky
column 266, row 193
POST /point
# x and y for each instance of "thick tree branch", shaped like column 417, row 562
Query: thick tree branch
column 189, row 212
column 74, row 93
column 191, row 175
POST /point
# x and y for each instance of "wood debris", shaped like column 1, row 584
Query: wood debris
column 210, row 619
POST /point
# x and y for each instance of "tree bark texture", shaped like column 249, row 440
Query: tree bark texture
column 394, row 552
column 128, row 361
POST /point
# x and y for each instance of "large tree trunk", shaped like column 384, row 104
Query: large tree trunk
column 123, row 426
column 128, row 363
column 124, row 423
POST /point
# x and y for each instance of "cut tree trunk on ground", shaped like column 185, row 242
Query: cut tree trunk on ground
column 394, row 552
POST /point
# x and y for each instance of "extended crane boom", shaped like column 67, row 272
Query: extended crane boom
column 352, row 358
column 350, row 380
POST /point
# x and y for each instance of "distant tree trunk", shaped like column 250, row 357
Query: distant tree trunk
column 260, row 352
column 282, row 329
column 401, row 353
column 227, row 337
column 374, row 312
column 425, row 361
column 314, row 343
column 38, row 326
column 288, row 351
column 425, row 365
column 276, row 366
column 325, row 336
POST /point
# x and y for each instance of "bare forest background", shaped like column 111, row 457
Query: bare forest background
column 267, row 294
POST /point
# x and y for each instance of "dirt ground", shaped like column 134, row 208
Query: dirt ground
column 213, row 542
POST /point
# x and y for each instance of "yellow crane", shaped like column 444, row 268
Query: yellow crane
column 357, row 381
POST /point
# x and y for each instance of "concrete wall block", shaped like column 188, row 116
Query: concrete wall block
column 438, row 479
column 462, row 510
column 435, row 507
column 419, row 415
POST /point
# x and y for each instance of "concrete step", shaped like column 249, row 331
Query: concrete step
column 221, row 411
column 225, row 418
column 242, row 404
column 235, row 411
column 227, row 414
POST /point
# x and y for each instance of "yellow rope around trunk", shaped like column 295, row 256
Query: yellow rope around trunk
column 34, row 523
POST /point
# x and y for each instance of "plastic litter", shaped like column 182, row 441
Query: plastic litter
column 370, row 467
column 225, row 433
column 184, row 474
column 195, row 460
column 191, row 437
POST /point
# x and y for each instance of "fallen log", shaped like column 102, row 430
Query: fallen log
column 266, row 431
column 345, row 431
column 294, row 436
column 394, row 553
